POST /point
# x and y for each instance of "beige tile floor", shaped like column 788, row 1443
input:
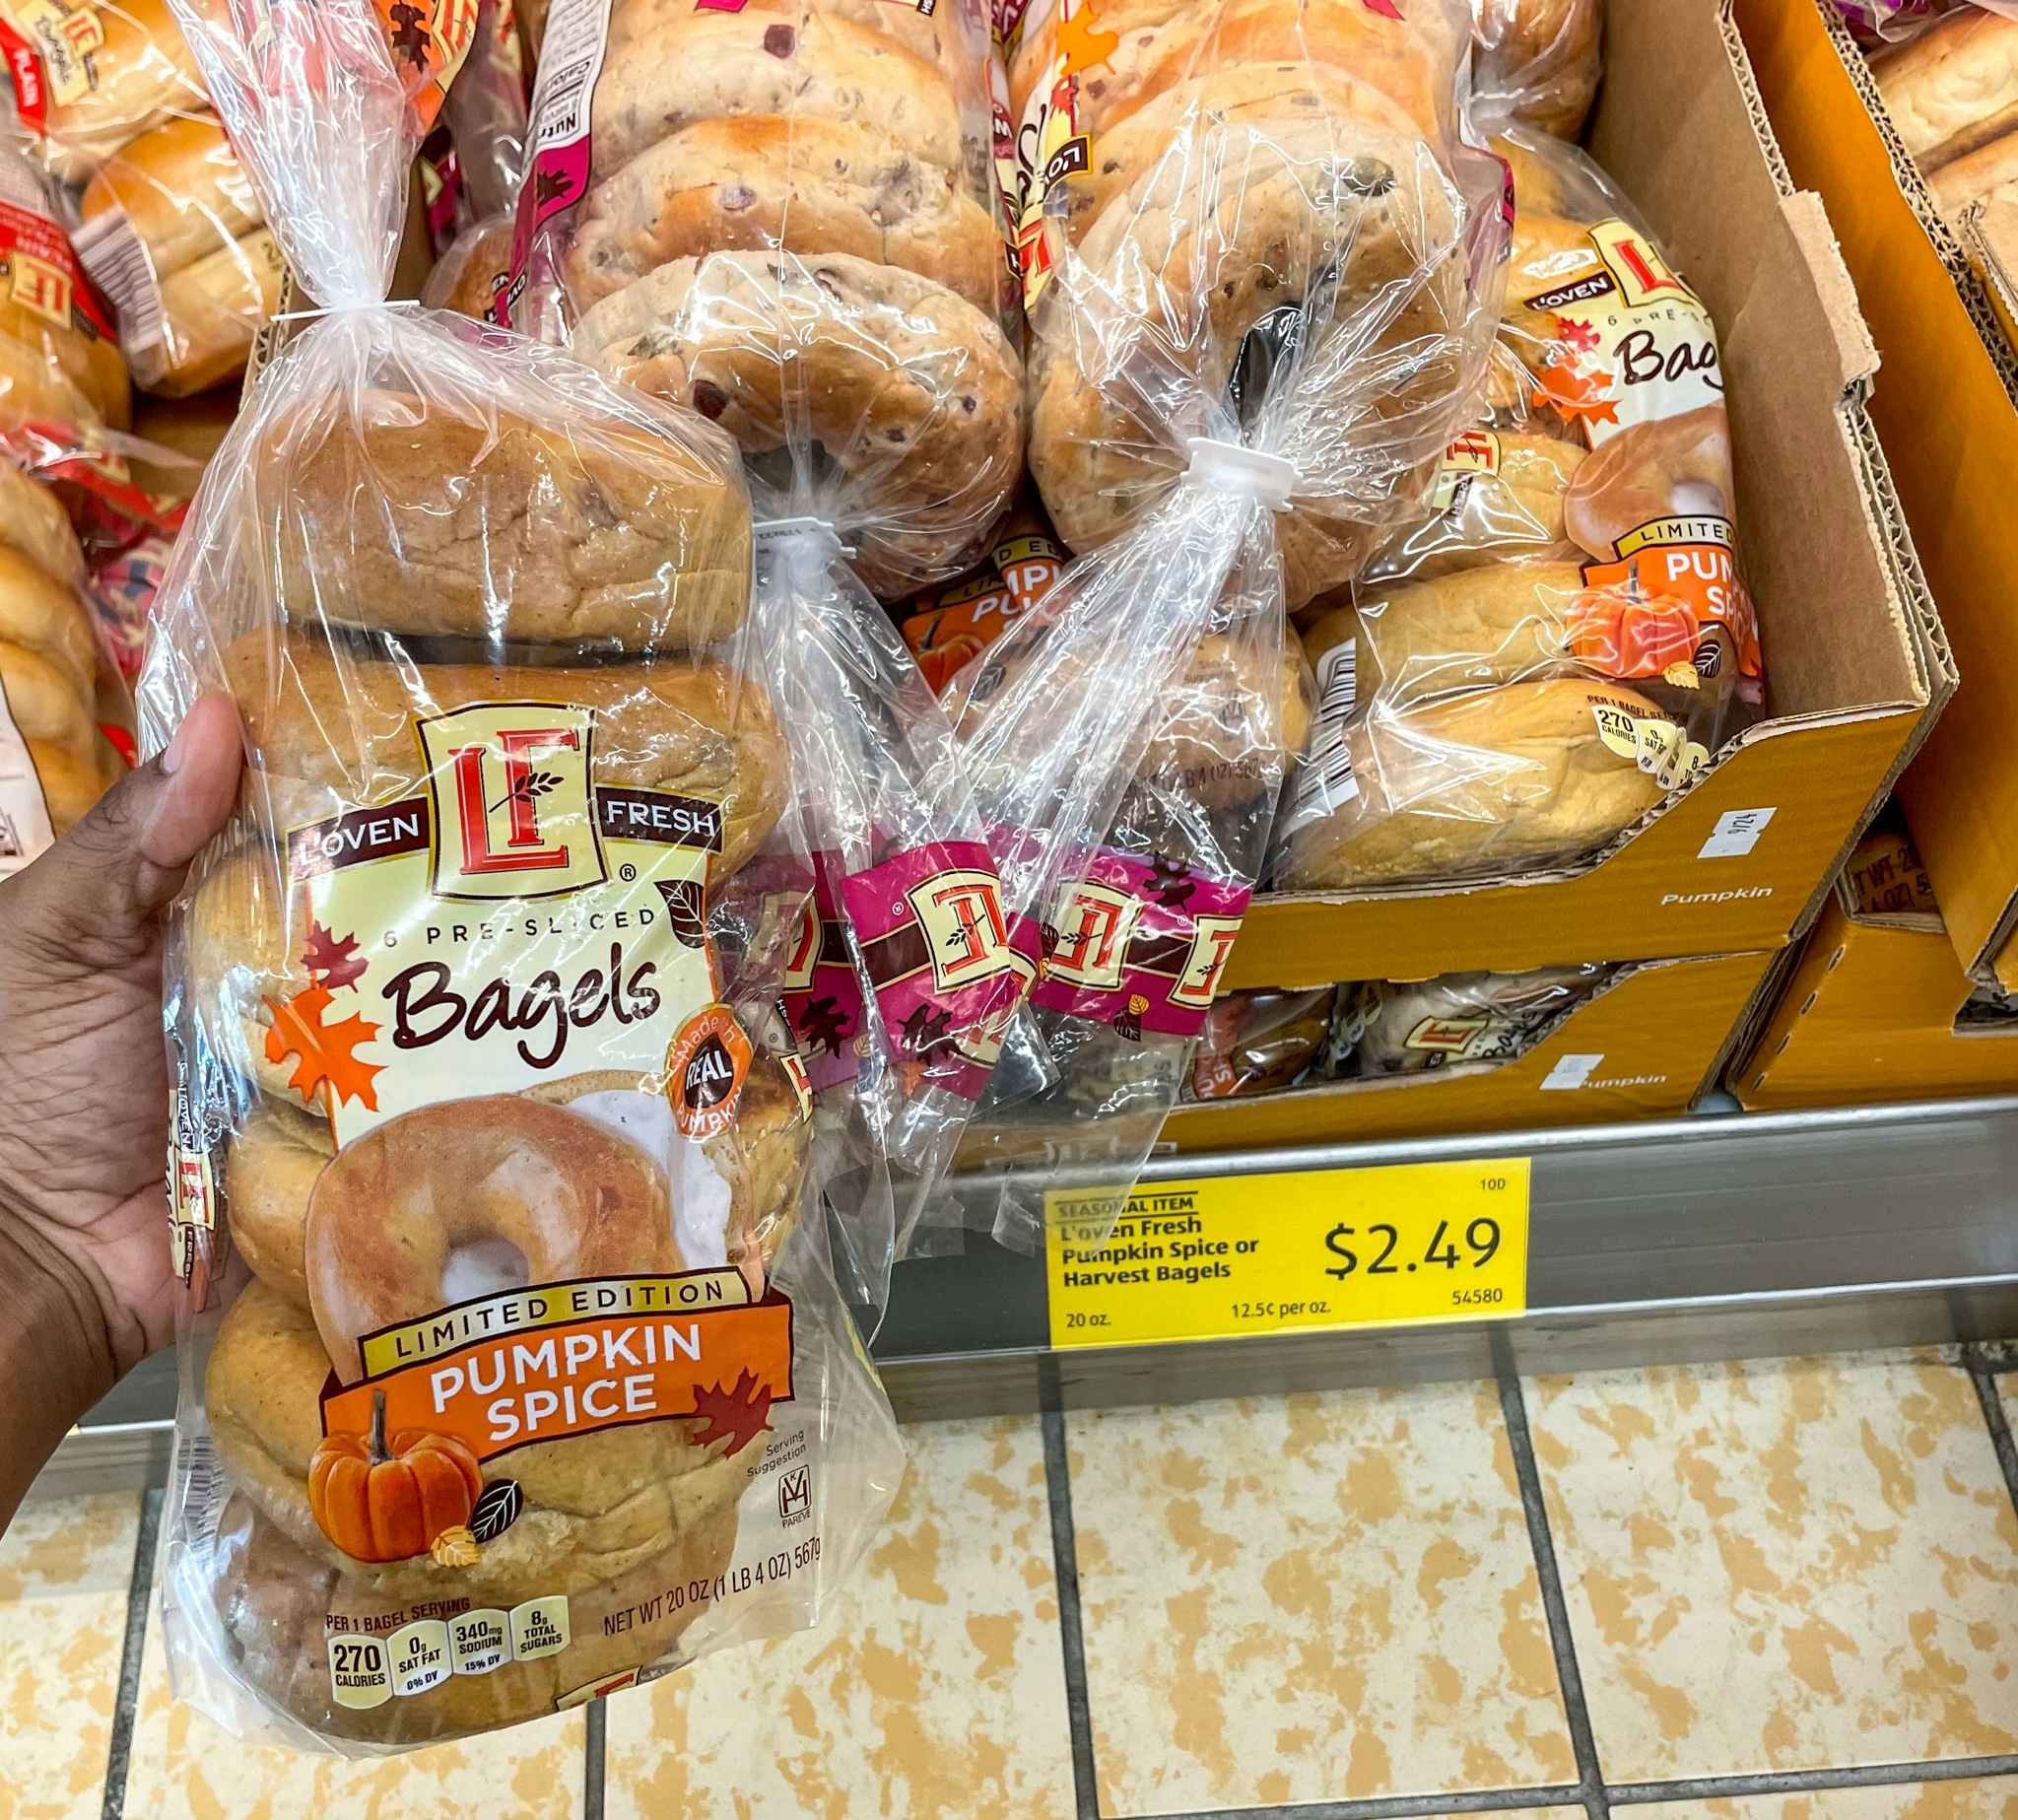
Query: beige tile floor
column 1789, row 1590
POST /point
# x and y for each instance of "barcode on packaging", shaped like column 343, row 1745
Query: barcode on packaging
column 117, row 260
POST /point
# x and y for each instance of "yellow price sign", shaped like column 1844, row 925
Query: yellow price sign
column 1340, row 1247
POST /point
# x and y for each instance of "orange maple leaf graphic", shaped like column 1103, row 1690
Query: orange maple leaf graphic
column 1583, row 397
column 742, row 1413
column 325, row 1052
column 1082, row 43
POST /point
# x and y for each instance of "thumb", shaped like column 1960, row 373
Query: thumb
column 93, row 896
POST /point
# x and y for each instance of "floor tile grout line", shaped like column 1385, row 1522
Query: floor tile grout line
column 1548, row 1572
column 1995, row 1419
column 132, row 1648
column 1071, row 1634
column 1808, row 1781
column 1396, row 1806
column 594, row 1746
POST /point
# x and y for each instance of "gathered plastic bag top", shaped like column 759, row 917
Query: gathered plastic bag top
column 1523, row 673
column 1263, row 269
column 514, row 1367
column 1536, row 61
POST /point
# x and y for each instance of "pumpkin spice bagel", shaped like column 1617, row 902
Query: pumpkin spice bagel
column 396, row 514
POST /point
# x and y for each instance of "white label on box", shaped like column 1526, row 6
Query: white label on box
column 1737, row 831
column 1571, row 1071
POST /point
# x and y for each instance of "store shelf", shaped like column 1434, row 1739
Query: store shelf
column 1727, row 1235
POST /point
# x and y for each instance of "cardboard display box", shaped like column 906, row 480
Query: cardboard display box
column 1855, row 660
column 1944, row 408
column 1648, row 1043
column 1875, row 1007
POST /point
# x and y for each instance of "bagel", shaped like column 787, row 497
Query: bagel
column 1222, row 736
column 237, row 939
column 211, row 310
column 910, row 394
column 1248, row 94
column 1987, row 175
column 181, row 190
column 393, row 512
column 753, row 63
column 1678, row 464
column 1410, row 53
column 1500, row 623
column 1510, row 507
column 1313, row 196
column 1537, row 60
column 140, row 73
column 41, row 701
column 72, row 782
column 70, row 371
column 329, row 730
column 271, row 1168
column 1954, row 87
column 39, row 614
column 596, row 1505
column 1498, row 779
column 1499, row 1015
column 475, row 268
column 952, row 36
column 272, row 1599
column 799, row 185
column 570, row 1197
column 759, row 1163
column 34, row 525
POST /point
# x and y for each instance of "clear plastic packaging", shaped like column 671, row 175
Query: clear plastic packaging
column 1522, row 675
column 1950, row 86
column 1263, row 270
column 1407, row 1027
column 61, row 373
column 1536, row 61
column 1257, row 1043
column 947, row 628
column 513, row 1366
column 785, row 219
column 58, row 688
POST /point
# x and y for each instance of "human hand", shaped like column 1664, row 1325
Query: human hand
column 85, row 1286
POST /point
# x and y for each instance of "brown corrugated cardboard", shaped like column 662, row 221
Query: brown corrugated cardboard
column 1944, row 407
column 1646, row 1046
column 1876, row 1007
column 1856, row 658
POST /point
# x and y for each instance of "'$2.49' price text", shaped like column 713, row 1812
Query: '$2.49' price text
column 1378, row 1250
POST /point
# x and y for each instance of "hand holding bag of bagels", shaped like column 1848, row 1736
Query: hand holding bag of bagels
column 514, row 1367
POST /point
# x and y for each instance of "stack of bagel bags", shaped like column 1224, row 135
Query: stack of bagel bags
column 786, row 218
column 1259, row 265
column 1521, row 676
column 504, row 1327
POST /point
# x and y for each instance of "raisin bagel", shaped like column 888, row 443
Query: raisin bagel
column 910, row 393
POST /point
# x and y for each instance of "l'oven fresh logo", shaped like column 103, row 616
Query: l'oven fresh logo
column 508, row 784
column 1095, row 922
column 965, row 933
column 1212, row 942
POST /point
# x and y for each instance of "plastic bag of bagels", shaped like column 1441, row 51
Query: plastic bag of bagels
column 785, row 217
column 1567, row 637
column 515, row 1370
column 1262, row 267
column 57, row 684
column 1537, row 61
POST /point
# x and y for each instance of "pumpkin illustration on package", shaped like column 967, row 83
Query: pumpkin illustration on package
column 1624, row 632
column 388, row 1503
